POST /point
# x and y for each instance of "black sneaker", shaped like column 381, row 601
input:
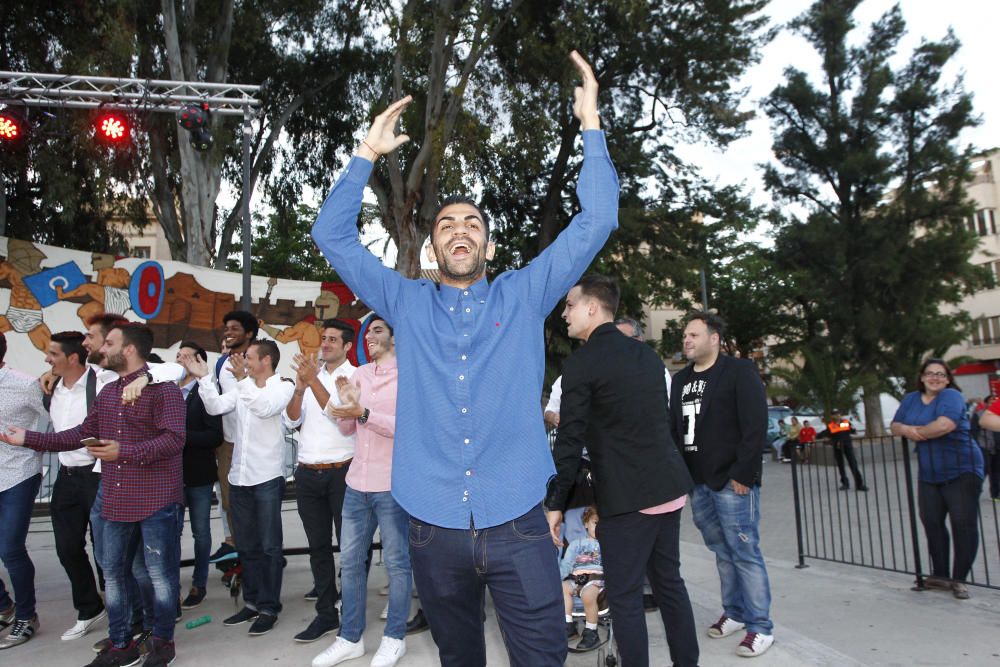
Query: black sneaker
column 20, row 633
column 161, row 653
column 571, row 630
column 649, row 602
column 105, row 644
column 589, row 640
column 118, row 657
column 225, row 551
column 845, row 487
column 242, row 616
column 417, row 624
column 263, row 625
column 194, row 598
column 320, row 627
column 143, row 641
column 312, row 595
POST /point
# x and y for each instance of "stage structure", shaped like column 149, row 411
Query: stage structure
column 32, row 89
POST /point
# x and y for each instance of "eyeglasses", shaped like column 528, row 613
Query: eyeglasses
column 936, row 374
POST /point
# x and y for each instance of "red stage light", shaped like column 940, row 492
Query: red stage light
column 12, row 126
column 112, row 126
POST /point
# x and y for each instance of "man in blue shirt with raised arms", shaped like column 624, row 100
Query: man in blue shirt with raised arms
column 471, row 460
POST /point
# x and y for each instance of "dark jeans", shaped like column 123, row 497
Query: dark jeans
column 157, row 536
column 199, row 506
column 15, row 517
column 255, row 513
column 72, row 498
column 519, row 564
column 634, row 545
column 958, row 500
column 320, row 495
column 845, row 450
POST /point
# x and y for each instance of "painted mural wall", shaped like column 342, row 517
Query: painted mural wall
column 45, row 289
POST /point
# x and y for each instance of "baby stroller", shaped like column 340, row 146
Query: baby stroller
column 606, row 650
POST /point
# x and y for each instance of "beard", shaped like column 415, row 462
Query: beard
column 115, row 362
column 449, row 268
column 95, row 358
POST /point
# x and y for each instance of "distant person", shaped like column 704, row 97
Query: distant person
column 950, row 471
column 839, row 430
column 807, row 438
column 791, row 440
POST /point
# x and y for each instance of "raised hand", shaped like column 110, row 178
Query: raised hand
column 382, row 137
column 585, row 95
column 238, row 366
column 348, row 392
column 193, row 364
column 306, row 369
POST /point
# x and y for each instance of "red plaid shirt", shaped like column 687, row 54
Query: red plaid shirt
column 148, row 473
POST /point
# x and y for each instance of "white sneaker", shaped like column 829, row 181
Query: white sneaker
column 724, row 627
column 339, row 651
column 754, row 644
column 80, row 628
column 389, row 652
column 385, row 612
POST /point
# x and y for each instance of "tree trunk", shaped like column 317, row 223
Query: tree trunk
column 872, row 401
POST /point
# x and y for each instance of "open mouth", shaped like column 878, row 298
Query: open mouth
column 461, row 249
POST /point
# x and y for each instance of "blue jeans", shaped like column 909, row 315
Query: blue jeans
column 361, row 514
column 255, row 513
column 519, row 563
column 16, row 504
column 156, row 535
column 728, row 523
column 142, row 605
column 199, row 506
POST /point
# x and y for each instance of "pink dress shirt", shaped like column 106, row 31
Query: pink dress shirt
column 371, row 469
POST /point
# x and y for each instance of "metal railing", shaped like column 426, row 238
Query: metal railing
column 882, row 528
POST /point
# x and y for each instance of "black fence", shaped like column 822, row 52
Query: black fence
column 877, row 519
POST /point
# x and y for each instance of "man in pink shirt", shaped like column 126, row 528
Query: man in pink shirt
column 367, row 405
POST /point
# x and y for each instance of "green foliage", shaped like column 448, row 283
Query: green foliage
column 283, row 248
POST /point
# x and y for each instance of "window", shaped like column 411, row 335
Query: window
column 986, row 330
column 141, row 251
column 984, row 222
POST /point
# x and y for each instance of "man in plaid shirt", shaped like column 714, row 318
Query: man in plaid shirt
column 141, row 445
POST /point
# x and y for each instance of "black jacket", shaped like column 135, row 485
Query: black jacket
column 204, row 434
column 614, row 401
column 731, row 428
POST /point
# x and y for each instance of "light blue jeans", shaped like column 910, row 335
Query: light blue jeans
column 362, row 513
column 728, row 522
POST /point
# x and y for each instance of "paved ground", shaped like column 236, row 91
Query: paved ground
column 826, row 614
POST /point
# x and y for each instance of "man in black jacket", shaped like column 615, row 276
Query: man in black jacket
column 615, row 400
column 719, row 415
column 203, row 436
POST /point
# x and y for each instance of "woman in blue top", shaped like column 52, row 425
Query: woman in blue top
column 950, row 472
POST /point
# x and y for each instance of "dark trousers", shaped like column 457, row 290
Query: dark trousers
column 15, row 517
column 994, row 471
column 519, row 564
column 633, row 545
column 320, row 495
column 72, row 497
column 957, row 500
column 843, row 449
column 255, row 512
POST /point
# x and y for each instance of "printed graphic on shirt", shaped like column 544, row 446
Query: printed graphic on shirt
column 691, row 396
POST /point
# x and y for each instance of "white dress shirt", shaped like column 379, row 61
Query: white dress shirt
column 259, row 445
column 320, row 441
column 67, row 410
column 227, row 382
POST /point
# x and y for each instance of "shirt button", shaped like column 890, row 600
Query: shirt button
column 451, row 308
column 461, row 377
column 468, row 473
column 468, row 310
column 466, row 493
column 466, row 292
column 464, row 410
column 463, row 357
column 466, row 441
column 465, row 500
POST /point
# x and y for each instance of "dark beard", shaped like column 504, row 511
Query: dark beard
column 115, row 362
column 95, row 358
column 477, row 270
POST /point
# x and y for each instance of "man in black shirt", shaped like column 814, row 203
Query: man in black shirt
column 719, row 415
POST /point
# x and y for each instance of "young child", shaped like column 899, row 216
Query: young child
column 807, row 436
column 583, row 577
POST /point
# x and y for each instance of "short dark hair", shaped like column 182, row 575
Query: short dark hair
column 940, row 362
column 602, row 288
column 106, row 321
column 139, row 336
column 713, row 321
column 588, row 514
column 3, row 346
column 346, row 330
column 376, row 316
column 637, row 328
column 462, row 199
column 246, row 320
column 267, row 348
column 71, row 342
column 199, row 351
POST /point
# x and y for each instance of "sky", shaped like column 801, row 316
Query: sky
column 973, row 21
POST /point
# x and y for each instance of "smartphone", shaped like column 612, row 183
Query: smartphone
column 90, row 442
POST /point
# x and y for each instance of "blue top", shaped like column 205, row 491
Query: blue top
column 583, row 553
column 470, row 440
column 945, row 458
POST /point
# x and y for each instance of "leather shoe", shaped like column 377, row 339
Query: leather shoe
column 417, row 624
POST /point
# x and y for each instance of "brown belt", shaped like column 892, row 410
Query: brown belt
column 326, row 466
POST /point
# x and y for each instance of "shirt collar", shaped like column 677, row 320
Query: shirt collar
column 480, row 289
column 387, row 365
column 347, row 367
column 131, row 376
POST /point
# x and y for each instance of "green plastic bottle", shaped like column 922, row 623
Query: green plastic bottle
column 198, row 621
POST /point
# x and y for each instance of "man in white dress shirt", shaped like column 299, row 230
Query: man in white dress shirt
column 257, row 475
column 323, row 459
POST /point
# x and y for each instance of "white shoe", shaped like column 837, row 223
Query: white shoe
column 754, row 644
column 80, row 628
column 389, row 652
column 385, row 612
column 339, row 651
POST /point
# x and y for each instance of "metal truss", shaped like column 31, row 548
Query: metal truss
column 91, row 92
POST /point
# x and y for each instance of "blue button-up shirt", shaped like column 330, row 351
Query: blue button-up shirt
column 470, row 441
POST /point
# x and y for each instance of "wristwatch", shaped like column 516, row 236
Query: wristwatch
column 364, row 416
column 149, row 378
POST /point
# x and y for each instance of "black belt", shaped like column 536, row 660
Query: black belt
column 76, row 470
